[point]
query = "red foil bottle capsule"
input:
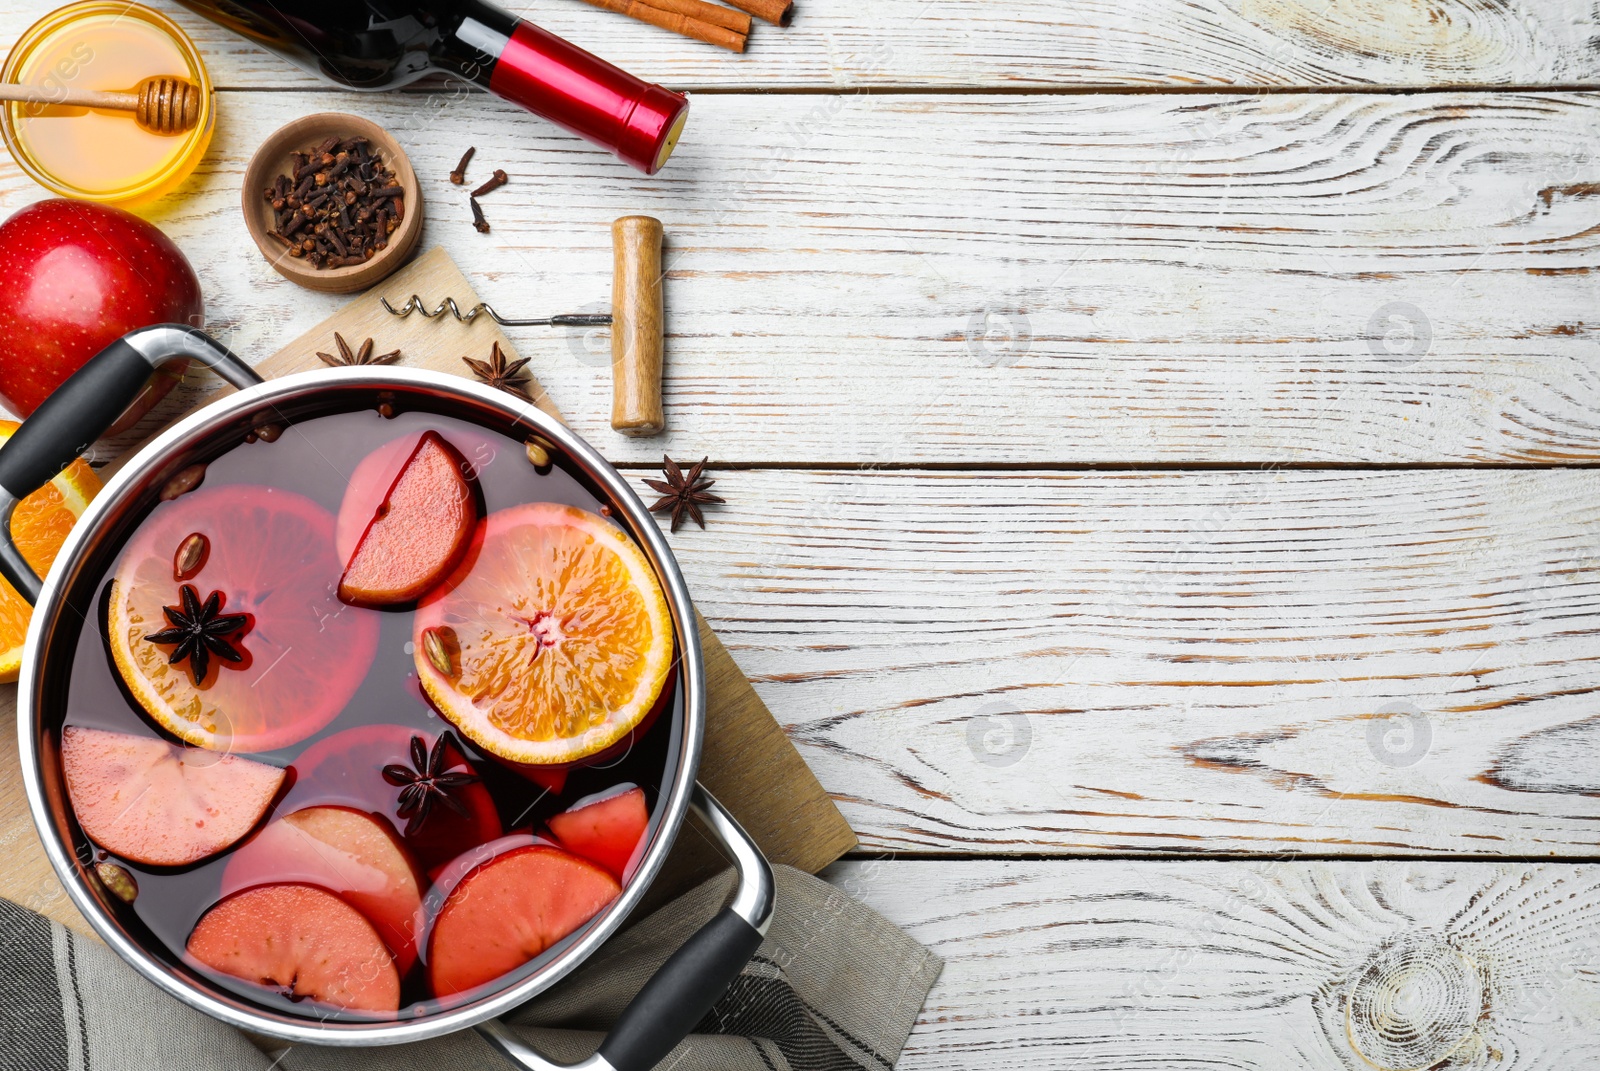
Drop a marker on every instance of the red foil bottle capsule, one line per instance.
(366, 45)
(580, 92)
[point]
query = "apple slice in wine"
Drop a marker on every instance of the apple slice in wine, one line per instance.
(417, 533)
(161, 804)
(301, 941)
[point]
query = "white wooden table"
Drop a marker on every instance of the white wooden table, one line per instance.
(1160, 442)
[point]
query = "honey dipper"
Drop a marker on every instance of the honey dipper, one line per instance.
(162, 104)
(636, 319)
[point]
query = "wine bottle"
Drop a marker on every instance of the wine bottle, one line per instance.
(382, 44)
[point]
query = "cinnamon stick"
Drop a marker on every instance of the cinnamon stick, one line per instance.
(777, 12)
(715, 14)
(668, 20)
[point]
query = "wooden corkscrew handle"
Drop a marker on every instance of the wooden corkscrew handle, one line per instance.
(637, 326)
(162, 105)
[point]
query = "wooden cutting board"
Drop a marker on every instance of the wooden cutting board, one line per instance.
(747, 763)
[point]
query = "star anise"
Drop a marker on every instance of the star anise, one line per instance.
(425, 783)
(364, 355)
(200, 631)
(498, 372)
(683, 493)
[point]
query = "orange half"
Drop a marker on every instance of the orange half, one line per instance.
(556, 634)
(39, 526)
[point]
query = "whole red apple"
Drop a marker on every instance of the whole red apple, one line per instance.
(76, 277)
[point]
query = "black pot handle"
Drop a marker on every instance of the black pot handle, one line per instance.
(694, 978)
(80, 410)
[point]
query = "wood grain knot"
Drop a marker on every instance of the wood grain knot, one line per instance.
(1456, 35)
(1415, 1002)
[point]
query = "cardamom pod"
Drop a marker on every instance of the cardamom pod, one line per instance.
(433, 646)
(183, 482)
(118, 880)
(192, 554)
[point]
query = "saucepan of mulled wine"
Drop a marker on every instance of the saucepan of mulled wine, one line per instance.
(349, 718)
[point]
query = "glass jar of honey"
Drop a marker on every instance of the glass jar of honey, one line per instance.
(102, 155)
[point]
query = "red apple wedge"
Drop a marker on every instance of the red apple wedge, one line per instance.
(504, 912)
(417, 534)
(605, 828)
(301, 941)
(368, 487)
(158, 803)
(357, 856)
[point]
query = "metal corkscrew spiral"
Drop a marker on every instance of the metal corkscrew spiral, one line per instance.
(482, 308)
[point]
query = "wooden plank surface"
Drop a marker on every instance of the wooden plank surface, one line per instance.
(843, 44)
(1345, 663)
(1248, 966)
(1021, 279)
(872, 275)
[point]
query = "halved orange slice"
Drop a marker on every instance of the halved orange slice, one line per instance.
(39, 526)
(270, 556)
(551, 641)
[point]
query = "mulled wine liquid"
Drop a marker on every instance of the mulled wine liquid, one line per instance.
(316, 458)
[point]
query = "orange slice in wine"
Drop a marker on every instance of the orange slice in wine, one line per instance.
(551, 641)
(270, 555)
(39, 526)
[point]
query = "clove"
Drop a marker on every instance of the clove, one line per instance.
(477, 217)
(496, 180)
(459, 175)
(339, 206)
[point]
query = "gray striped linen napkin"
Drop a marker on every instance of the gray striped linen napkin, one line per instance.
(835, 987)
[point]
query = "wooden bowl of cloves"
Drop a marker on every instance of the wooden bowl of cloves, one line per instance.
(332, 203)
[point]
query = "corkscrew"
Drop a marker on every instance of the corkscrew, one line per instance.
(636, 320)
(483, 308)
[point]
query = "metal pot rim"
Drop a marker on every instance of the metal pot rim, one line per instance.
(259, 403)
